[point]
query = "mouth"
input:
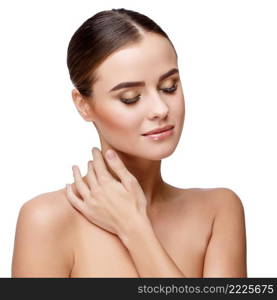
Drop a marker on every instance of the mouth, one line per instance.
(160, 135)
(159, 130)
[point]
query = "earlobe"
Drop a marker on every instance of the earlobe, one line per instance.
(81, 105)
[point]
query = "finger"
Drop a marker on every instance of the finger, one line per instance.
(91, 176)
(73, 199)
(100, 168)
(117, 165)
(80, 185)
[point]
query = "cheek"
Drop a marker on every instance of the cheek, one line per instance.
(116, 120)
(178, 108)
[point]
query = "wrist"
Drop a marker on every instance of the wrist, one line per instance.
(138, 225)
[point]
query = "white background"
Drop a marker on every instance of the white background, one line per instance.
(228, 65)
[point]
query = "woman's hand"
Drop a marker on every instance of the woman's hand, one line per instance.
(106, 202)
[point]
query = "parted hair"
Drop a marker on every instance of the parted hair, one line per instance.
(98, 37)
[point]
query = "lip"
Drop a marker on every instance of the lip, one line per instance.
(160, 136)
(159, 130)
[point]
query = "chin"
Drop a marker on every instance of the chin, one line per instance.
(156, 153)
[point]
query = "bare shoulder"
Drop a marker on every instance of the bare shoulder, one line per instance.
(225, 200)
(43, 240)
(226, 251)
(49, 209)
(216, 198)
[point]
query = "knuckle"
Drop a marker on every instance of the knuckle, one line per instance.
(121, 168)
(132, 181)
(103, 178)
(96, 190)
(78, 180)
(87, 194)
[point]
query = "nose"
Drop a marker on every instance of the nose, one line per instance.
(158, 107)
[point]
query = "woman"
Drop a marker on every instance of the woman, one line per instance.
(122, 219)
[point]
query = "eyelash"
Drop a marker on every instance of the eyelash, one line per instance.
(170, 90)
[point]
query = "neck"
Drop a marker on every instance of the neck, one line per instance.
(147, 173)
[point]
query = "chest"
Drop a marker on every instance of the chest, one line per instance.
(101, 254)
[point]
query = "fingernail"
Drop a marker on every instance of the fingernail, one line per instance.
(110, 154)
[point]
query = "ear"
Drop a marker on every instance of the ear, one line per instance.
(82, 105)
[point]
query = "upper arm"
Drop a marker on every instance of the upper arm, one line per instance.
(41, 246)
(226, 251)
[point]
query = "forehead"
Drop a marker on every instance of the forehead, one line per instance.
(144, 60)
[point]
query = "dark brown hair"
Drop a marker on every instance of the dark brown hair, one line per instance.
(100, 36)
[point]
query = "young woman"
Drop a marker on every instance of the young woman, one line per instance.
(122, 219)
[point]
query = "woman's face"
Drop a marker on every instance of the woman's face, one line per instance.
(123, 115)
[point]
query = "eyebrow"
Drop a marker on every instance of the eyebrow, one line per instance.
(142, 83)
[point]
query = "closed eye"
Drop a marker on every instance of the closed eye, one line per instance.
(170, 90)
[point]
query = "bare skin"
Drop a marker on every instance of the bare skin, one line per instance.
(202, 230)
(188, 232)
